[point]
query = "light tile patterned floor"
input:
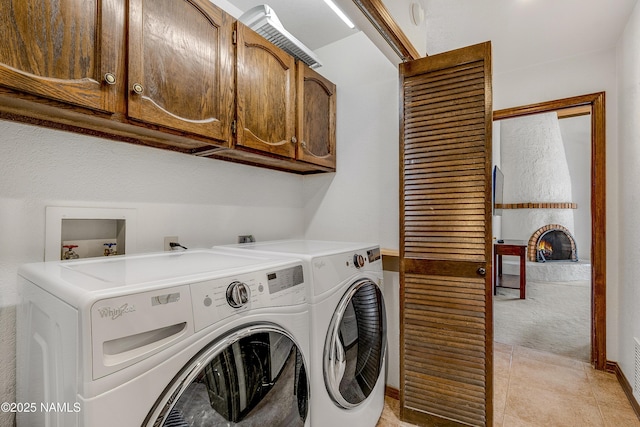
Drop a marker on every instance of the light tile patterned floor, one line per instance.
(537, 389)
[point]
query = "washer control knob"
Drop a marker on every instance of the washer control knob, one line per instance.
(358, 260)
(237, 294)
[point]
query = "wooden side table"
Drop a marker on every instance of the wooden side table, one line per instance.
(510, 247)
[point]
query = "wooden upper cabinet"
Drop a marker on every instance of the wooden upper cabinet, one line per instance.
(266, 95)
(63, 49)
(174, 74)
(316, 118)
(181, 66)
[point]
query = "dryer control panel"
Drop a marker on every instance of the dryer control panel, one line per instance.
(330, 270)
(214, 300)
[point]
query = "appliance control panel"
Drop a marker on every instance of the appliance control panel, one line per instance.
(362, 258)
(218, 299)
(332, 269)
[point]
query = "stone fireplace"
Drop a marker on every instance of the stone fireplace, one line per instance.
(552, 242)
(537, 182)
(538, 202)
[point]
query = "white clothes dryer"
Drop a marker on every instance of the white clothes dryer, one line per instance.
(193, 338)
(348, 327)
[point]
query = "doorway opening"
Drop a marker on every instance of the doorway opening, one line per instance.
(593, 104)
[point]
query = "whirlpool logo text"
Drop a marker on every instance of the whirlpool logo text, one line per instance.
(115, 312)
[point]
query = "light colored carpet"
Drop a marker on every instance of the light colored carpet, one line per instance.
(555, 317)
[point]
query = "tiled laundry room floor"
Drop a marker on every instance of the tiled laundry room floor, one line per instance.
(534, 388)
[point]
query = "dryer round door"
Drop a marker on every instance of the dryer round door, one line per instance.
(355, 345)
(255, 376)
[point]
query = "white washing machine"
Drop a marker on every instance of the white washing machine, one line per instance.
(348, 328)
(193, 338)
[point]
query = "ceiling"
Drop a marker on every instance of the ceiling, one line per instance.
(523, 32)
(526, 32)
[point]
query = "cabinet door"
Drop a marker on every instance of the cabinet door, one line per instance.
(316, 118)
(181, 66)
(266, 95)
(63, 49)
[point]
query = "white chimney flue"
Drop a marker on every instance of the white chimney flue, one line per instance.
(535, 169)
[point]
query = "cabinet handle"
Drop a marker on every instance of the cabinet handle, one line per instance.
(138, 88)
(110, 78)
(303, 144)
(294, 140)
(481, 271)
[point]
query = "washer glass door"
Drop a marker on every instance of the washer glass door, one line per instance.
(355, 345)
(253, 377)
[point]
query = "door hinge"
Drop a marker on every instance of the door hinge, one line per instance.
(234, 37)
(234, 127)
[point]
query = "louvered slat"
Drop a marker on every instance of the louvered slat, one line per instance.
(460, 80)
(445, 233)
(444, 334)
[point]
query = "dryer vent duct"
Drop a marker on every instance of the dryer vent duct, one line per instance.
(263, 20)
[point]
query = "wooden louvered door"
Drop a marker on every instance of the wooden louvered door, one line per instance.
(445, 239)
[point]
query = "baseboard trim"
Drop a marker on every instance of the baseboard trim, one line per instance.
(614, 368)
(392, 392)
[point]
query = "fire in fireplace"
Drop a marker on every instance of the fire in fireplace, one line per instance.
(545, 250)
(552, 243)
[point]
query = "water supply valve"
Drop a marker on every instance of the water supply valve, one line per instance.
(69, 253)
(110, 249)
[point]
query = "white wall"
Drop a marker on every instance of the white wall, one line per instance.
(576, 136)
(360, 201)
(629, 202)
(580, 75)
(203, 201)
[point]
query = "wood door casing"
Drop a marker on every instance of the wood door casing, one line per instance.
(382, 20)
(62, 49)
(266, 95)
(595, 105)
(181, 53)
(446, 349)
(316, 123)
